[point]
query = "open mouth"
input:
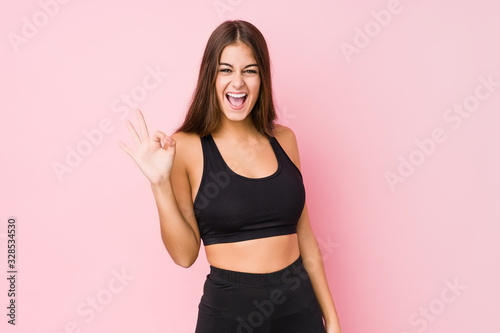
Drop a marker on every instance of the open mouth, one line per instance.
(236, 101)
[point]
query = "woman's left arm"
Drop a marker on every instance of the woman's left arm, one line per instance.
(309, 249)
(313, 263)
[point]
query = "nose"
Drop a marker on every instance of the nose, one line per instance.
(237, 81)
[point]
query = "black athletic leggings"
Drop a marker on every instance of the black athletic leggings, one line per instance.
(240, 302)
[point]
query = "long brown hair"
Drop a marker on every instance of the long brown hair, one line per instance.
(204, 112)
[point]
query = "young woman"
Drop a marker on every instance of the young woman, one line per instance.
(235, 184)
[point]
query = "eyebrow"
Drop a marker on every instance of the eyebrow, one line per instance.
(223, 63)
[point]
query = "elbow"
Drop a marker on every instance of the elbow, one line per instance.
(185, 265)
(184, 256)
(185, 259)
(185, 262)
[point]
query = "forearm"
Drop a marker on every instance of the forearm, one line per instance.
(313, 263)
(177, 235)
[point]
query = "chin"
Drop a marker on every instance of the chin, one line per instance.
(231, 115)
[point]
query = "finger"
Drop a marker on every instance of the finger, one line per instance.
(126, 149)
(142, 125)
(162, 138)
(133, 133)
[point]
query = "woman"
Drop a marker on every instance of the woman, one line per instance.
(235, 184)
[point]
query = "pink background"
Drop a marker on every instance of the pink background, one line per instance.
(391, 252)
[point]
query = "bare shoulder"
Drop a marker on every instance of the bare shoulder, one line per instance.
(187, 150)
(283, 131)
(185, 142)
(184, 136)
(288, 141)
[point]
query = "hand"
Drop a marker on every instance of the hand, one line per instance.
(154, 160)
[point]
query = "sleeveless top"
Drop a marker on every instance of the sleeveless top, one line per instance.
(233, 208)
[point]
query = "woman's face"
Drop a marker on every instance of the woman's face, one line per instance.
(238, 81)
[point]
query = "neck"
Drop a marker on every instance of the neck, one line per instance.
(237, 130)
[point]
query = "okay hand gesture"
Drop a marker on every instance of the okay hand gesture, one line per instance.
(155, 155)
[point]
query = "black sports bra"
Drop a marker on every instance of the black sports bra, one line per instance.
(232, 208)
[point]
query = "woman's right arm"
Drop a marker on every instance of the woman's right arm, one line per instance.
(179, 229)
(171, 189)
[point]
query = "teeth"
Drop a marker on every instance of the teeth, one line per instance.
(236, 95)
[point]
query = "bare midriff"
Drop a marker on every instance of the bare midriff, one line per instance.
(262, 255)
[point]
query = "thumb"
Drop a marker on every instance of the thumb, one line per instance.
(164, 139)
(160, 137)
(168, 141)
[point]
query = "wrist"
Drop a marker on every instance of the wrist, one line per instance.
(160, 184)
(332, 323)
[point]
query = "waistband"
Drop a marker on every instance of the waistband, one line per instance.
(287, 274)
